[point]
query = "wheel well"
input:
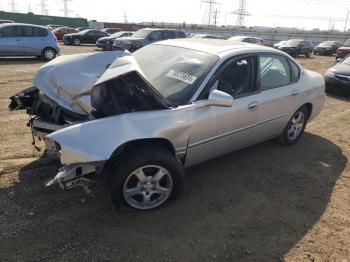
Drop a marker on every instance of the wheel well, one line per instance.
(48, 47)
(309, 108)
(134, 144)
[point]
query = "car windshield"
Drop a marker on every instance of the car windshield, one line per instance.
(294, 42)
(142, 33)
(173, 71)
(327, 44)
(346, 60)
(118, 34)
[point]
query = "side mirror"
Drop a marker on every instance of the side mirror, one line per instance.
(216, 98)
(220, 98)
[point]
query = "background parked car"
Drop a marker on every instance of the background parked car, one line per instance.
(296, 47)
(82, 28)
(27, 40)
(52, 27)
(343, 51)
(247, 39)
(280, 43)
(208, 36)
(146, 36)
(2, 21)
(106, 42)
(327, 48)
(61, 31)
(338, 76)
(88, 36)
(111, 30)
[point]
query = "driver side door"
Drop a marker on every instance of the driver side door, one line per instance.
(219, 130)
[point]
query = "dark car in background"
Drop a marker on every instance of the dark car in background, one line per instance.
(82, 28)
(111, 30)
(338, 76)
(88, 36)
(247, 39)
(280, 43)
(106, 43)
(52, 27)
(296, 47)
(327, 48)
(145, 37)
(343, 51)
(61, 31)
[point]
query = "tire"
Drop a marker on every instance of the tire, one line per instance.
(48, 54)
(308, 54)
(287, 137)
(132, 178)
(76, 42)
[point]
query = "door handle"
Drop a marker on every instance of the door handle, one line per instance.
(295, 92)
(253, 106)
(18, 40)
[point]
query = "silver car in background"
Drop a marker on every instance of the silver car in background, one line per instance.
(164, 108)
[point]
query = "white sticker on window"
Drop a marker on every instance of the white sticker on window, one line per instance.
(182, 76)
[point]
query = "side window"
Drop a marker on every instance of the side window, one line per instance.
(40, 32)
(11, 31)
(28, 31)
(274, 71)
(156, 36)
(168, 34)
(180, 34)
(237, 77)
(295, 71)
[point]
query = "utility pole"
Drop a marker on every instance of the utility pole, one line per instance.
(43, 6)
(125, 18)
(65, 8)
(241, 13)
(346, 21)
(30, 8)
(215, 17)
(210, 5)
(13, 6)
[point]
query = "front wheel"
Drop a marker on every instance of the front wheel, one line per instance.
(76, 42)
(295, 127)
(145, 180)
(308, 54)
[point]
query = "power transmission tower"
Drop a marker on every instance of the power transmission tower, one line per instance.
(65, 8)
(43, 6)
(241, 13)
(13, 6)
(209, 10)
(125, 18)
(30, 9)
(215, 17)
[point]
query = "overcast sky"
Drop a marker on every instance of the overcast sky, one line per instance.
(306, 14)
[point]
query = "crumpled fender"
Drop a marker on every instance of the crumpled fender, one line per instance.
(96, 140)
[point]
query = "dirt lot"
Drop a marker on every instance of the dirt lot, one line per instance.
(264, 203)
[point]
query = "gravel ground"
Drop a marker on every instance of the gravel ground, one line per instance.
(264, 203)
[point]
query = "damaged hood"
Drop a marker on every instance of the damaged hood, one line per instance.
(68, 80)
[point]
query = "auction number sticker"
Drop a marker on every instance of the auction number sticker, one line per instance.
(182, 76)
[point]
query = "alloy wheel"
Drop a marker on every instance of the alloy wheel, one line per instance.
(147, 187)
(296, 125)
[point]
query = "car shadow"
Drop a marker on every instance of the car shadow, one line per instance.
(251, 205)
(20, 60)
(343, 95)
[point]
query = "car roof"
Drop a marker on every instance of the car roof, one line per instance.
(22, 24)
(212, 46)
(158, 29)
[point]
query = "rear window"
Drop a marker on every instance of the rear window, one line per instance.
(30, 31)
(10, 31)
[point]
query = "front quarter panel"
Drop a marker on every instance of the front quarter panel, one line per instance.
(97, 140)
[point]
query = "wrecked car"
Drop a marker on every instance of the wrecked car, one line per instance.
(140, 119)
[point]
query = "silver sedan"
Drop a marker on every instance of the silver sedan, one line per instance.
(166, 107)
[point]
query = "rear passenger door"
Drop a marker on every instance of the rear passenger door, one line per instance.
(10, 41)
(279, 93)
(33, 40)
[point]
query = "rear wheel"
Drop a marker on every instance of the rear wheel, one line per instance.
(145, 179)
(308, 54)
(295, 127)
(48, 54)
